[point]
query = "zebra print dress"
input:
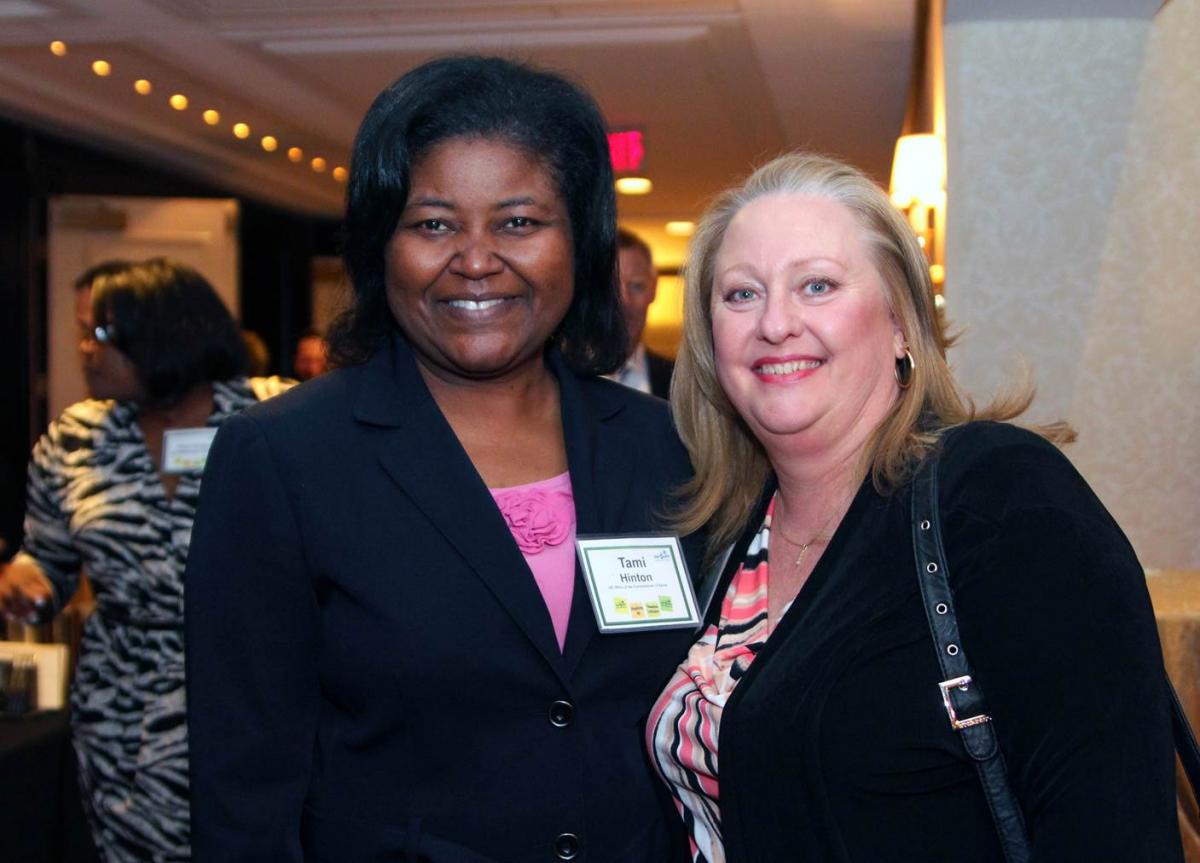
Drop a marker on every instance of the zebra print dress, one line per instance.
(96, 503)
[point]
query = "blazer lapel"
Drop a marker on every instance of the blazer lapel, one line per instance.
(601, 474)
(422, 455)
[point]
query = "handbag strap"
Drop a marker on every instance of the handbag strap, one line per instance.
(961, 695)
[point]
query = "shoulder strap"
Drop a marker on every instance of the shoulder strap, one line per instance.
(961, 695)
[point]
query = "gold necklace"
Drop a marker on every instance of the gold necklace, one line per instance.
(819, 536)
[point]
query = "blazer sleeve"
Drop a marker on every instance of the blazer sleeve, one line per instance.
(251, 628)
(1058, 627)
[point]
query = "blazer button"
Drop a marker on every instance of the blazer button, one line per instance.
(566, 846)
(562, 714)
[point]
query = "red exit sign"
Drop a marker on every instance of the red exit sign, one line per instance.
(627, 149)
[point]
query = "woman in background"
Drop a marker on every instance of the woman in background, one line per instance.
(807, 722)
(105, 495)
(391, 650)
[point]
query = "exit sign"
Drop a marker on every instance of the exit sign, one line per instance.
(626, 150)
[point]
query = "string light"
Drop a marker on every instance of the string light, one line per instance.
(212, 117)
(340, 174)
(269, 143)
(58, 49)
(142, 86)
(241, 130)
(179, 102)
(318, 164)
(295, 154)
(102, 68)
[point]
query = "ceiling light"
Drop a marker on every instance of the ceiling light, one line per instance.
(680, 229)
(270, 143)
(634, 185)
(179, 102)
(318, 164)
(142, 86)
(212, 117)
(58, 49)
(241, 130)
(295, 154)
(340, 174)
(102, 68)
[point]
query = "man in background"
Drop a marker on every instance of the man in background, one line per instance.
(643, 369)
(311, 357)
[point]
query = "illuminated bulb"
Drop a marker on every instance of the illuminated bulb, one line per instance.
(939, 302)
(318, 164)
(142, 86)
(937, 274)
(58, 49)
(212, 117)
(102, 68)
(179, 102)
(680, 229)
(340, 174)
(241, 130)
(921, 241)
(269, 143)
(295, 154)
(634, 186)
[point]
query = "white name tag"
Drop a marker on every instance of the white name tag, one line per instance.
(186, 450)
(637, 582)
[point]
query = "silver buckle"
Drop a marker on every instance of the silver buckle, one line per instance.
(956, 723)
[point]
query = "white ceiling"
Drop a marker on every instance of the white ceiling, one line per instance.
(717, 85)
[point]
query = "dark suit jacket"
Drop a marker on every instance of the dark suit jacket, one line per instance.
(659, 370)
(372, 670)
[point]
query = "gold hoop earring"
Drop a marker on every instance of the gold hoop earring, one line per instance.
(904, 369)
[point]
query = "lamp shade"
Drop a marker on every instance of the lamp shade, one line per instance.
(919, 170)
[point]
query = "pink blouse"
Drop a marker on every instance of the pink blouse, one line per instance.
(541, 517)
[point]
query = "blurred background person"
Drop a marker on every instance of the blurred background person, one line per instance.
(643, 369)
(84, 321)
(811, 385)
(391, 648)
(113, 489)
(311, 357)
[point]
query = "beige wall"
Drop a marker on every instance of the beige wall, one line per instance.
(1073, 241)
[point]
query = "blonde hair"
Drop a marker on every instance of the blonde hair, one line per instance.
(731, 466)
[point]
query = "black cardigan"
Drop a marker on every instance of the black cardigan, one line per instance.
(835, 745)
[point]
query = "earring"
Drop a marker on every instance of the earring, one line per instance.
(904, 369)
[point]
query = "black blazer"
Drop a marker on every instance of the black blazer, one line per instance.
(659, 371)
(372, 671)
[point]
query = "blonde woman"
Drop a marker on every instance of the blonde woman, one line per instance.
(807, 721)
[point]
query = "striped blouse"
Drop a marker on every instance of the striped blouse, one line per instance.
(682, 730)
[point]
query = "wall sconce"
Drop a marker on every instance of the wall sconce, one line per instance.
(918, 187)
(919, 171)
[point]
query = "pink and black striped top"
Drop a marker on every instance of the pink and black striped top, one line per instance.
(683, 727)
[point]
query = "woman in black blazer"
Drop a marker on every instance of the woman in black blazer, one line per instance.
(382, 665)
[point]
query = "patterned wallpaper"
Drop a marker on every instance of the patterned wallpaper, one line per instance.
(1073, 243)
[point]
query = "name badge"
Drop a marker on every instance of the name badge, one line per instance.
(637, 582)
(186, 450)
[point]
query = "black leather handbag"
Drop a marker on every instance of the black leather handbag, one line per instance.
(961, 695)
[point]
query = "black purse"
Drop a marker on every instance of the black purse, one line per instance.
(961, 695)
